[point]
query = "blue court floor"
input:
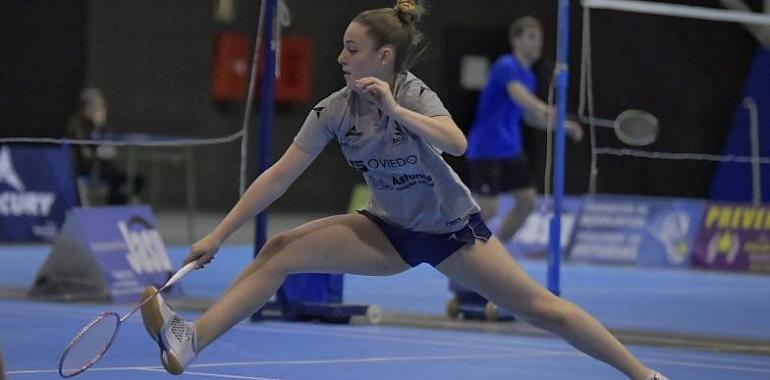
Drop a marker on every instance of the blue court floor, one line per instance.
(676, 302)
(33, 335)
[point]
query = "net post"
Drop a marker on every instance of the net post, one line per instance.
(562, 77)
(266, 113)
(756, 174)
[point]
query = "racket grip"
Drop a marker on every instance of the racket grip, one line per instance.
(180, 273)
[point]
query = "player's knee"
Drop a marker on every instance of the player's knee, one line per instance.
(547, 313)
(270, 253)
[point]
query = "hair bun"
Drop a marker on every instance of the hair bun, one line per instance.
(408, 10)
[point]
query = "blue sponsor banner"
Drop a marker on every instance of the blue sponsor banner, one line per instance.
(531, 240)
(37, 187)
(127, 246)
(637, 230)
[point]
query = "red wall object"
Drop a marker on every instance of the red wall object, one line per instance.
(295, 82)
(231, 68)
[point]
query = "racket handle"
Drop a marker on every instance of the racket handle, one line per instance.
(179, 274)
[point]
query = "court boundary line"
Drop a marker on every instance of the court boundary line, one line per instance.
(521, 346)
(380, 359)
(224, 376)
(329, 330)
(456, 343)
(705, 366)
(572, 352)
(484, 338)
(507, 352)
(376, 359)
(706, 343)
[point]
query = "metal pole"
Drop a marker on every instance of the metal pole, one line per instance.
(562, 77)
(250, 99)
(756, 174)
(266, 110)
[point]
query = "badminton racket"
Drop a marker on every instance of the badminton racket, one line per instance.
(96, 337)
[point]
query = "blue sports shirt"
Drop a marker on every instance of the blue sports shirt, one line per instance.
(496, 130)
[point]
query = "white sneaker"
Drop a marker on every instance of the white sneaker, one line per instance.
(155, 312)
(656, 376)
(175, 337)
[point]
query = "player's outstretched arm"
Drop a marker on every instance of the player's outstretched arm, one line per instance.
(536, 112)
(261, 193)
(535, 109)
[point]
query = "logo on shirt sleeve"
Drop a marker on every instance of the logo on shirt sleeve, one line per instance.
(318, 111)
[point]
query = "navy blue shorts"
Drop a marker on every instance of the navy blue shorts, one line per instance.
(416, 248)
(494, 176)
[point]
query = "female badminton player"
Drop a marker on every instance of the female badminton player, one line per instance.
(393, 129)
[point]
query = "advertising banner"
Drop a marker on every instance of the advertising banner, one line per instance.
(37, 187)
(112, 252)
(734, 236)
(637, 230)
(531, 240)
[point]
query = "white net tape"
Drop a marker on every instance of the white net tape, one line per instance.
(682, 156)
(674, 10)
(150, 141)
(133, 140)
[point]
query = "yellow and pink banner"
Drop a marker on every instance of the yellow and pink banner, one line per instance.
(734, 236)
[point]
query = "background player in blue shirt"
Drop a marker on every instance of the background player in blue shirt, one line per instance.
(393, 129)
(496, 159)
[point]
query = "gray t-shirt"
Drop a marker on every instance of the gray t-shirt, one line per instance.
(411, 185)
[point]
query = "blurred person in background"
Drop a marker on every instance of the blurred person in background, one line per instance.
(97, 163)
(497, 162)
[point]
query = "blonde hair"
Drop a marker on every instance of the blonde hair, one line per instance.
(396, 26)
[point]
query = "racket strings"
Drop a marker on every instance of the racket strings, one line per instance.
(89, 345)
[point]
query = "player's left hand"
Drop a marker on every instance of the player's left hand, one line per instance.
(379, 92)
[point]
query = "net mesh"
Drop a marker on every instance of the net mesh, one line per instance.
(666, 73)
